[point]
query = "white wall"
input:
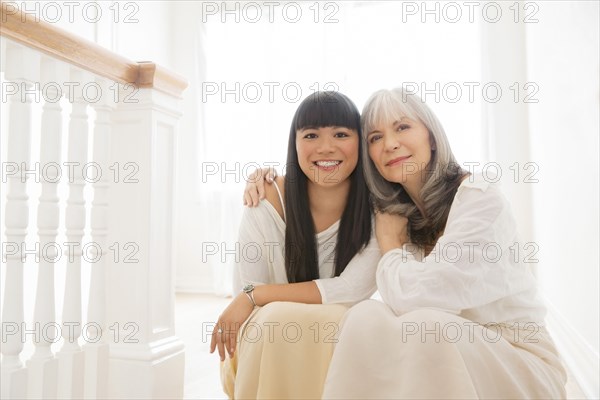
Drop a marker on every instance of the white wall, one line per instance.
(563, 59)
(192, 274)
(556, 130)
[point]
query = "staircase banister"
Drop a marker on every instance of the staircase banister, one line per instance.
(65, 46)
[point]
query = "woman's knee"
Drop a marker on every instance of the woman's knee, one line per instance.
(366, 316)
(435, 327)
(276, 311)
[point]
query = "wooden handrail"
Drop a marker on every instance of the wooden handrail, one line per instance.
(85, 54)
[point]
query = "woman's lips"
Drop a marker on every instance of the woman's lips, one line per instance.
(327, 165)
(397, 161)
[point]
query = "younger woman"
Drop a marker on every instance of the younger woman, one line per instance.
(304, 254)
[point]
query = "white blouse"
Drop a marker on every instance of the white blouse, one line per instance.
(262, 255)
(476, 269)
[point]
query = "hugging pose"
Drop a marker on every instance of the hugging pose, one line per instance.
(366, 205)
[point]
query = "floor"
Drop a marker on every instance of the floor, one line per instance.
(193, 315)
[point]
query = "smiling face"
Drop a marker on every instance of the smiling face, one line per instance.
(327, 155)
(401, 151)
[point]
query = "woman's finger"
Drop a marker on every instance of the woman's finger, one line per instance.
(271, 174)
(213, 340)
(260, 187)
(220, 345)
(231, 342)
(253, 193)
(247, 198)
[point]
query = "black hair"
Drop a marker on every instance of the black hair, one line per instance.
(323, 109)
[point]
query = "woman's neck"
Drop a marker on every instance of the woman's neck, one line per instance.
(327, 203)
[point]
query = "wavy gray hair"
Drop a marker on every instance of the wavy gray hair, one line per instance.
(443, 173)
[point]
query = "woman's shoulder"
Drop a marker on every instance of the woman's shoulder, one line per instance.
(480, 182)
(480, 190)
(272, 195)
(264, 217)
(481, 210)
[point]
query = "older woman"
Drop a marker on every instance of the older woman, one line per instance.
(460, 317)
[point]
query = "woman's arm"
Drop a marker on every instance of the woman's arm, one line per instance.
(302, 292)
(470, 266)
(357, 281)
(240, 308)
(255, 270)
(258, 231)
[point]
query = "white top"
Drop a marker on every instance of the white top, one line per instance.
(262, 255)
(476, 269)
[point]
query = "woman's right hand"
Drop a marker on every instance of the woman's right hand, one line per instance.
(225, 332)
(255, 185)
(391, 231)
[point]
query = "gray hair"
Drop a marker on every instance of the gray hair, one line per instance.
(443, 174)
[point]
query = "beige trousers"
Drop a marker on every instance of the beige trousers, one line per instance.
(283, 352)
(427, 354)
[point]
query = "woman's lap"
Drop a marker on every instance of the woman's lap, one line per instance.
(433, 354)
(283, 351)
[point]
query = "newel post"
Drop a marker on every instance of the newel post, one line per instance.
(146, 358)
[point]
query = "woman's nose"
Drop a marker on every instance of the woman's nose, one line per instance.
(326, 145)
(391, 141)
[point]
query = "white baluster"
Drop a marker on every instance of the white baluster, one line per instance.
(71, 357)
(96, 367)
(43, 366)
(21, 69)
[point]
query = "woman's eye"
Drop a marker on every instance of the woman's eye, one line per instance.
(374, 138)
(402, 127)
(341, 134)
(310, 136)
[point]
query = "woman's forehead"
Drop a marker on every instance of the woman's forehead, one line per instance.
(383, 119)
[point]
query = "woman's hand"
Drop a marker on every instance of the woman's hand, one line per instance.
(255, 185)
(391, 231)
(225, 332)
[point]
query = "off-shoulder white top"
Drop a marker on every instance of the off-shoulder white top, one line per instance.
(261, 258)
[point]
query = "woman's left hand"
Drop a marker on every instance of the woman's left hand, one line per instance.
(225, 332)
(391, 231)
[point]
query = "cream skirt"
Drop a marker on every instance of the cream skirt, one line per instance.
(427, 354)
(283, 352)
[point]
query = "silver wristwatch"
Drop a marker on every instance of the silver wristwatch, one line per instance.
(249, 289)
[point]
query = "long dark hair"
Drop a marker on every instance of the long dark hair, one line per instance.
(323, 109)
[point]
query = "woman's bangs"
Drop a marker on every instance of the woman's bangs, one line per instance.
(327, 109)
(383, 109)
